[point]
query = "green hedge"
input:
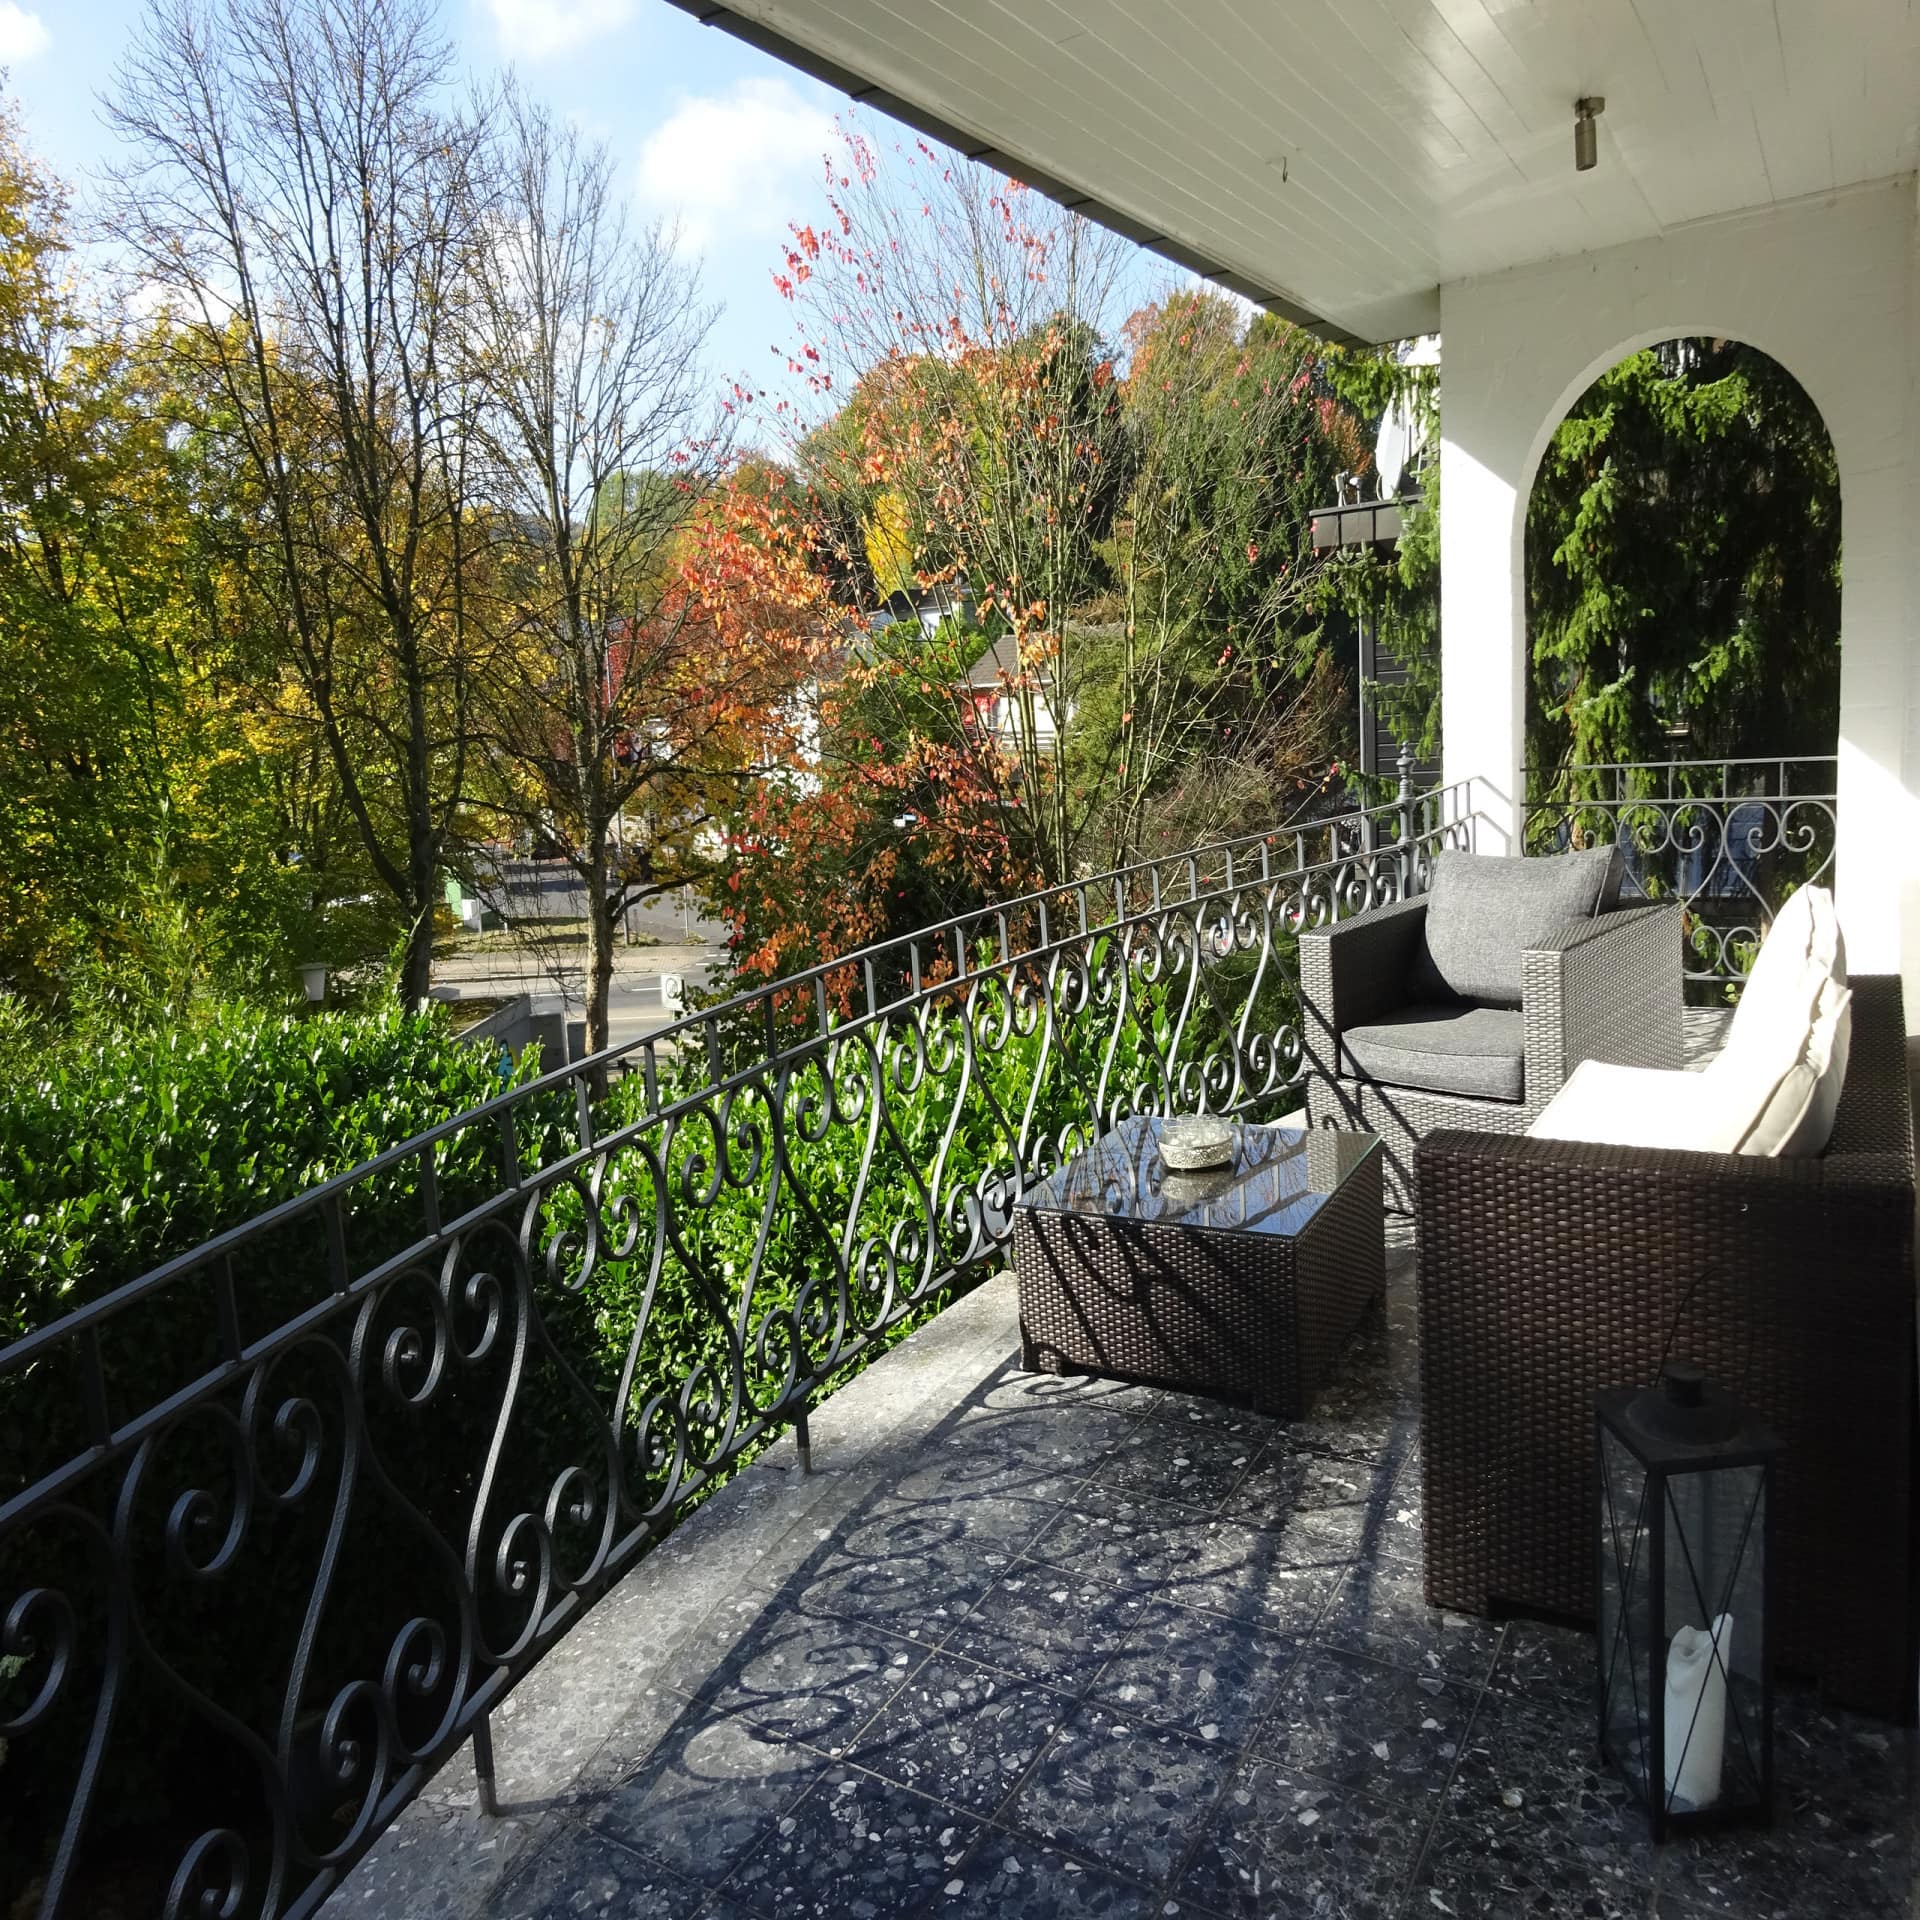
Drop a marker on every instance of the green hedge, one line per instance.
(120, 1151)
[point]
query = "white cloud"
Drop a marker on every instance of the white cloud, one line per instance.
(736, 165)
(539, 29)
(22, 34)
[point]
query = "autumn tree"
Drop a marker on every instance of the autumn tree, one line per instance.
(306, 195)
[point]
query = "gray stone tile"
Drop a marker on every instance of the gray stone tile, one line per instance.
(1119, 1535)
(963, 1733)
(1193, 1466)
(1283, 1847)
(1557, 1666)
(1208, 1675)
(434, 1863)
(582, 1873)
(1843, 1838)
(917, 1591)
(1464, 1874)
(707, 1793)
(1281, 1480)
(1050, 1626)
(856, 1845)
(1197, 1410)
(1011, 1874)
(1015, 1391)
(1380, 1609)
(1531, 1776)
(1337, 1536)
(1356, 1723)
(807, 1676)
(1118, 1789)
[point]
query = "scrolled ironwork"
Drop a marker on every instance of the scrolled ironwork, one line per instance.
(261, 1585)
(1728, 839)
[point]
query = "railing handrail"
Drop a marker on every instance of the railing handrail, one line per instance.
(709, 1021)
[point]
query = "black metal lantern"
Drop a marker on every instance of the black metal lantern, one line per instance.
(1686, 1677)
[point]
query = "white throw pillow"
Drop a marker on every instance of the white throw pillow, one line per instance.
(1803, 947)
(1797, 1120)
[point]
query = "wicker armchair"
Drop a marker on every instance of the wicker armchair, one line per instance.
(1603, 988)
(1549, 1270)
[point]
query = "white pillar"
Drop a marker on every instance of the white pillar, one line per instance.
(1483, 615)
(1831, 289)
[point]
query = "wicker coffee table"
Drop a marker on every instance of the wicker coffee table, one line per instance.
(1243, 1284)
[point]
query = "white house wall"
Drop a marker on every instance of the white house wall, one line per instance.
(1830, 287)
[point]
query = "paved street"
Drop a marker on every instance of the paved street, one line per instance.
(677, 939)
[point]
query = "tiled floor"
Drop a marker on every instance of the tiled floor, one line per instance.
(1095, 1650)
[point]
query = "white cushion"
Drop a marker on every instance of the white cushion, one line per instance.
(1797, 1120)
(1643, 1107)
(1802, 948)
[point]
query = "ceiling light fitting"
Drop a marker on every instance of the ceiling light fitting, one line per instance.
(1586, 135)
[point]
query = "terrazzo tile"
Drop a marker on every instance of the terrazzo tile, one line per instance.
(1281, 1480)
(1050, 1626)
(1205, 1674)
(1193, 1466)
(1246, 1572)
(1015, 1390)
(1556, 1665)
(1369, 1434)
(1197, 1410)
(434, 1863)
(1011, 1874)
(1356, 1723)
(705, 1795)
(855, 1845)
(963, 1733)
(1531, 1775)
(582, 1873)
(917, 1594)
(1463, 1874)
(1120, 1790)
(1329, 1536)
(1122, 1535)
(1843, 1822)
(807, 1676)
(1380, 1609)
(1283, 1847)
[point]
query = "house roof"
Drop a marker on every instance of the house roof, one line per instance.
(1339, 160)
(1000, 662)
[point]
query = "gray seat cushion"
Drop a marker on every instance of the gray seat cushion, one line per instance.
(1476, 1051)
(1484, 911)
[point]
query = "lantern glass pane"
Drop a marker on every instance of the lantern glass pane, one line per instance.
(1713, 1696)
(1627, 1628)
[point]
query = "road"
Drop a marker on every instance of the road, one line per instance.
(689, 945)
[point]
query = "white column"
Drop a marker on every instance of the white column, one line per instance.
(1483, 731)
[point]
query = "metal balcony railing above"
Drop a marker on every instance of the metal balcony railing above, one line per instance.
(1728, 839)
(283, 1521)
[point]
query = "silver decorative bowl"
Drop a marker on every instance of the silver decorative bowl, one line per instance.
(1193, 1142)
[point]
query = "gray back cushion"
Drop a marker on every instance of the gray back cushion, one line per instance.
(1484, 911)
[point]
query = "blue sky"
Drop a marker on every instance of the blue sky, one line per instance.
(705, 131)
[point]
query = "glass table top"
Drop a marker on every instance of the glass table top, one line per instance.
(1279, 1178)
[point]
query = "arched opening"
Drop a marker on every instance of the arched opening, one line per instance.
(1683, 636)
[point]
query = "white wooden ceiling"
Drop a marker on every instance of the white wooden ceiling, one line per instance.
(1340, 159)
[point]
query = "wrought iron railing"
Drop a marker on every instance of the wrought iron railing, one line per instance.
(293, 1512)
(1729, 839)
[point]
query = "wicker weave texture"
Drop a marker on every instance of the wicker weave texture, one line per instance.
(1550, 1270)
(1252, 1318)
(1601, 989)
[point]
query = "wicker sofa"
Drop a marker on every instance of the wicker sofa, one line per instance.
(1605, 987)
(1549, 1270)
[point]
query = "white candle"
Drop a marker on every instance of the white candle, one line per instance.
(1696, 1710)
